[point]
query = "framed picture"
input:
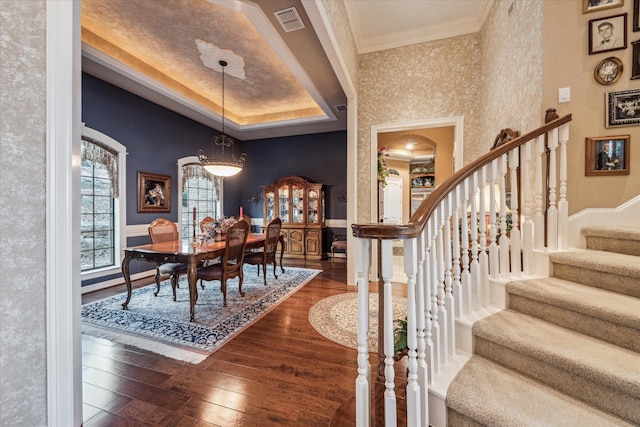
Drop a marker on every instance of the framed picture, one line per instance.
(635, 67)
(623, 108)
(636, 15)
(608, 71)
(607, 34)
(607, 155)
(154, 193)
(597, 5)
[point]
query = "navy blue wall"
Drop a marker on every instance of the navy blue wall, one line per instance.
(156, 137)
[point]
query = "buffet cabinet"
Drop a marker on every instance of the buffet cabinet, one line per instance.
(300, 206)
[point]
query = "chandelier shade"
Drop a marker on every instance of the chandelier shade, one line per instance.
(222, 166)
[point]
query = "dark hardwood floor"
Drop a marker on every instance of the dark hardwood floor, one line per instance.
(277, 372)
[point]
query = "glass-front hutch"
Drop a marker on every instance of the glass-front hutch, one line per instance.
(300, 206)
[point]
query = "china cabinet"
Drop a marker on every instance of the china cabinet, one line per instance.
(300, 206)
(422, 175)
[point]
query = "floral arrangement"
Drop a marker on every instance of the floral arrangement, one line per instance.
(383, 170)
(224, 223)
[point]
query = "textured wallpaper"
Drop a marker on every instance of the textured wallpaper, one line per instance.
(416, 83)
(337, 15)
(23, 380)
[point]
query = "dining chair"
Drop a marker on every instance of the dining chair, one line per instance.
(206, 223)
(339, 243)
(232, 260)
(268, 254)
(162, 230)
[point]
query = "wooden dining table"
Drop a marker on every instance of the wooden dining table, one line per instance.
(184, 251)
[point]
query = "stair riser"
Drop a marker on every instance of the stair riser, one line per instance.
(598, 328)
(621, 246)
(593, 393)
(622, 284)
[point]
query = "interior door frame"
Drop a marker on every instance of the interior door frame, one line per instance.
(458, 151)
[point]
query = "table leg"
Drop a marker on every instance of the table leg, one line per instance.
(193, 289)
(281, 252)
(127, 279)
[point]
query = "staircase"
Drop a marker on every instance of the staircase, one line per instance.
(566, 351)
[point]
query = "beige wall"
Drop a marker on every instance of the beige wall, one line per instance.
(567, 63)
(23, 363)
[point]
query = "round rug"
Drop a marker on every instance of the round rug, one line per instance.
(335, 318)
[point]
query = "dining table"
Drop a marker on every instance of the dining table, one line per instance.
(184, 251)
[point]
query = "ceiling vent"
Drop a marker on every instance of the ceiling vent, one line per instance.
(289, 19)
(341, 108)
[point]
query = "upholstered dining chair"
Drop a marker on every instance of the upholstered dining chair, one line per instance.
(206, 223)
(162, 230)
(268, 254)
(339, 243)
(232, 260)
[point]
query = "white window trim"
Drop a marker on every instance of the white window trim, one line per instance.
(120, 212)
(185, 161)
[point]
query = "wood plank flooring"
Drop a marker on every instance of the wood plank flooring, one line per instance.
(278, 372)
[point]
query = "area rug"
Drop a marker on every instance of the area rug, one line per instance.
(162, 325)
(335, 318)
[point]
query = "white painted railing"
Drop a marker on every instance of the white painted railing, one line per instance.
(472, 233)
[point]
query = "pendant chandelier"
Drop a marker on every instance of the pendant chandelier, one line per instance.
(221, 166)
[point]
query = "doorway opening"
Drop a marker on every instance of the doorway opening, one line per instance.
(422, 155)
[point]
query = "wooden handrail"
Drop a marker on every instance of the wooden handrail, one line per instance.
(419, 219)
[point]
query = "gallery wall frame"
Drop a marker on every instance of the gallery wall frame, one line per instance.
(635, 66)
(622, 108)
(636, 15)
(608, 71)
(608, 34)
(589, 6)
(154, 193)
(607, 155)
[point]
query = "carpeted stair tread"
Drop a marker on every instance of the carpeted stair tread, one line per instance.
(608, 262)
(601, 362)
(600, 303)
(507, 398)
(613, 232)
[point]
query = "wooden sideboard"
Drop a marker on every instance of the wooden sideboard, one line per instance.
(300, 206)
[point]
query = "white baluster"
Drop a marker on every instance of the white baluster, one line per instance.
(538, 219)
(503, 246)
(442, 309)
(482, 285)
(412, 390)
(563, 205)
(552, 211)
(457, 285)
(386, 249)
(527, 223)
(494, 260)
(363, 387)
(434, 335)
(465, 296)
(448, 276)
(475, 265)
(514, 164)
(423, 369)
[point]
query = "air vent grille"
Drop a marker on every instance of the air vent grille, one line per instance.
(289, 19)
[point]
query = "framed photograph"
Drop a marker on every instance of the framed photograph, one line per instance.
(607, 155)
(154, 193)
(608, 71)
(635, 67)
(607, 34)
(636, 15)
(623, 108)
(597, 5)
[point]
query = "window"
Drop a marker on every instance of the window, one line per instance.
(101, 201)
(201, 190)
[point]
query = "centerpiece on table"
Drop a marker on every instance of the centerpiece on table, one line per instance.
(217, 230)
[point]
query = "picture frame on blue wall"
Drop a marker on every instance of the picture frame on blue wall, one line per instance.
(623, 108)
(589, 6)
(608, 33)
(154, 193)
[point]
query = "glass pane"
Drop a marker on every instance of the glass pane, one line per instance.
(103, 222)
(270, 203)
(86, 222)
(102, 187)
(86, 204)
(103, 258)
(283, 203)
(313, 206)
(86, 185)
(86, 260)
(103, 239)
(103, 205)
(86, 241)
(297, 204)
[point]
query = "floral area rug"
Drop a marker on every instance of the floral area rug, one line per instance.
(335, 318)
(162, 325)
